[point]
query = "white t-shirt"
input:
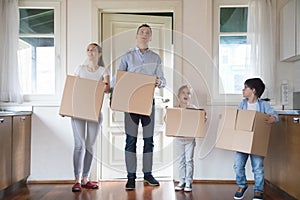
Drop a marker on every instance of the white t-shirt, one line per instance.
(98, 75)
(251, 106)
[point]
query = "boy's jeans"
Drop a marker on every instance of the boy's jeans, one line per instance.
(257, 163)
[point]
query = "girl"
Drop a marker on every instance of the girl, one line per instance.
(85, 132)
(185, 146)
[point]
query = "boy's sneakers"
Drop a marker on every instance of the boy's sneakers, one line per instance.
(130, 185)
(151, 180)
(258, 195)
(180, 186)
(240, 193)
(188, 188)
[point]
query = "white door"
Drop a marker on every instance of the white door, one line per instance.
(118, 36)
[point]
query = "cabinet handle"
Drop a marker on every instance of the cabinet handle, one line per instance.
(1, 120)
(22, 118)
(296, 120)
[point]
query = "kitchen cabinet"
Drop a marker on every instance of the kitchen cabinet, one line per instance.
(21, 152)
(5, 151)
(290, 31)
(283, 160)
(15, 149)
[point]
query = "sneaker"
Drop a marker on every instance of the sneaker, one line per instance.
(258, 195)
(180, 186)
(151, 180)
(240, 193)
(90, 185)
(76, 187)
(188, 188)
(130, 185)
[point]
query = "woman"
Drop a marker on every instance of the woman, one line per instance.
(85, 132)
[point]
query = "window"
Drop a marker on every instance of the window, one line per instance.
(231, 46)
(39, 49)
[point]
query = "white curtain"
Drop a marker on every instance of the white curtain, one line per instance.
(10, 90)
(261, 39)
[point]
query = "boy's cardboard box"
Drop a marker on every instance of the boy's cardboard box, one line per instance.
(82, 98)
(185, 122)
(244, 131)
(133, 93)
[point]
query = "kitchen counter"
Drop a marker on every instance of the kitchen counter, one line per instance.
(15, 111)
(283, 160)
(288, 112)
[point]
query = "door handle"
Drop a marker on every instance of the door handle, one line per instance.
(165, 100)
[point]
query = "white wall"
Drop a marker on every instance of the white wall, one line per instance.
(52, 141)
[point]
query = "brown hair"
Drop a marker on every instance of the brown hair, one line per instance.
(144, 25)
(100, 59)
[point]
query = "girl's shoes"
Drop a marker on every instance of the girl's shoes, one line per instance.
(90, 185)
(188, 188)
(180, 186)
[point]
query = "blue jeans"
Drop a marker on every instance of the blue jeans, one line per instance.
(257, 163)
(131, 128)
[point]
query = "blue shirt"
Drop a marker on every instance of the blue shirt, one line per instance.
(148, 63)
(262, 106)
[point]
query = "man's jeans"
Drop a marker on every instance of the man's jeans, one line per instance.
(131, 129)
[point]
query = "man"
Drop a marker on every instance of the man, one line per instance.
(144, 61)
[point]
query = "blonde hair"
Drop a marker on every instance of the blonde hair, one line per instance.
(183, 87)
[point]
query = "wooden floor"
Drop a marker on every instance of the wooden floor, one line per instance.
(116, 191)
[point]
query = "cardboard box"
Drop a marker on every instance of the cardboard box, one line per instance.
(244, 131)
(133, 93)
(82, 98)
(185, 122)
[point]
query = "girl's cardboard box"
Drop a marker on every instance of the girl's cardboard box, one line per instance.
(185, 122)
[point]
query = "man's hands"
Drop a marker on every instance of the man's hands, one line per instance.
(157, 82)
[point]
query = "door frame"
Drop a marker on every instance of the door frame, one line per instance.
(144, 6)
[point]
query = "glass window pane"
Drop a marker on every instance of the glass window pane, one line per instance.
(233, 59)
(37, 65)
(36, 21)
(233, 19)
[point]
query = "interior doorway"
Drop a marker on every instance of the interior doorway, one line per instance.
(118, 36)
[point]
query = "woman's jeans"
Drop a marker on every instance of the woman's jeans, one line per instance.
(85, 135)
(131, 129)
(257, 163)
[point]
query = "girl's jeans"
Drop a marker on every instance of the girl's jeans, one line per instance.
(257, 163)
(185, 151)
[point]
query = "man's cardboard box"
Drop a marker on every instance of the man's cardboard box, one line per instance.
(185, 122)
(82, 98)
(244, 131)
(133, 93)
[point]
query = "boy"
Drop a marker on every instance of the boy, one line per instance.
(252, 92)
